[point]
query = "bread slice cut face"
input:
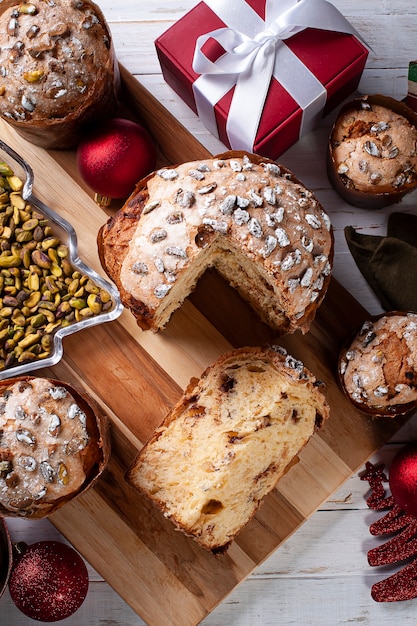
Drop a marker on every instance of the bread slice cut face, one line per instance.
(228, 441)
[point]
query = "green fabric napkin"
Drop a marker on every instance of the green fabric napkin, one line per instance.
(389, 264)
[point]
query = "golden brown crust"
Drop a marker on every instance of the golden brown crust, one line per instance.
(234, 433)
(115, 237)
(113, 243)
(85, 453)
(59, 70)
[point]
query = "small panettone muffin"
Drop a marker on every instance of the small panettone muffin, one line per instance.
(54, 445)
(242, 214)
(228, 441)
(58, 70)
(372, 155)
(378, 368)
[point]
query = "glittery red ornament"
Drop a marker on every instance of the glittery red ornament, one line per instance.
(401, 528)
(403, 478)
(113, 158)
(49, 581)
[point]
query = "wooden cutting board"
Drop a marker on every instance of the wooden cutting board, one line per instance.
(136, 377)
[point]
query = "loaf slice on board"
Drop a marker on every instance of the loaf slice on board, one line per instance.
(228, 441)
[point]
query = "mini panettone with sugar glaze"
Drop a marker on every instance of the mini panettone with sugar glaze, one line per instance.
(372, 151)
(58, 70)
(378, 365)
(54, 445)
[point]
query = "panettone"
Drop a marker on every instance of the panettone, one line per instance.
(372, 156)
(58, 70)
(228, 441)
(242, 214)
(378, 367)
(54, 445)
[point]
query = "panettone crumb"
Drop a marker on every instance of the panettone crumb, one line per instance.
(227, 442)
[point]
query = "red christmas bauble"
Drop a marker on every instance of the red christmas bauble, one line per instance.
(49, 581)
(113, 158)
(403, 478)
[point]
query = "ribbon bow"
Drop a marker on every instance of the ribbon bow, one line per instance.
(255, 52)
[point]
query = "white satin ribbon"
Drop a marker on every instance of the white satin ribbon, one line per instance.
(256, 52)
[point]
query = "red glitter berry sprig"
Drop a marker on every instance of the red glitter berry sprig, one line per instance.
(400, 519)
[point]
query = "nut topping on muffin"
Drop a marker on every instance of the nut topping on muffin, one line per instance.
(378, 369)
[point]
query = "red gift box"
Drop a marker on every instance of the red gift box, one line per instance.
(336, 60)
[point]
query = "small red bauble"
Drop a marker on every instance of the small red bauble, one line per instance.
(403, 478)
(113, 158)
(49, 581)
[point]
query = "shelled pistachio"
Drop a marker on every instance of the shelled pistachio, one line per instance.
(40, 290)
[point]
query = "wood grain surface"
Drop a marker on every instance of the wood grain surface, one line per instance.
(136, 376)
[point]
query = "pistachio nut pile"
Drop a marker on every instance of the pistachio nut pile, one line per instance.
(40, 290)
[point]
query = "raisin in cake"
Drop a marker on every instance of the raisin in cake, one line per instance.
(54, 444)
(372, 158)
(246, 216)
(228, 441)
(58, 70)
(378, 368)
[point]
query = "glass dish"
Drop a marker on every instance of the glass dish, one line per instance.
(67, 235)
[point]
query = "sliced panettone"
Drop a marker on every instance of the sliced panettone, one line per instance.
(242, 214)
(228, 441)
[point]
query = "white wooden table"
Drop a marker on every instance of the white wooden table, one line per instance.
(320, 576)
